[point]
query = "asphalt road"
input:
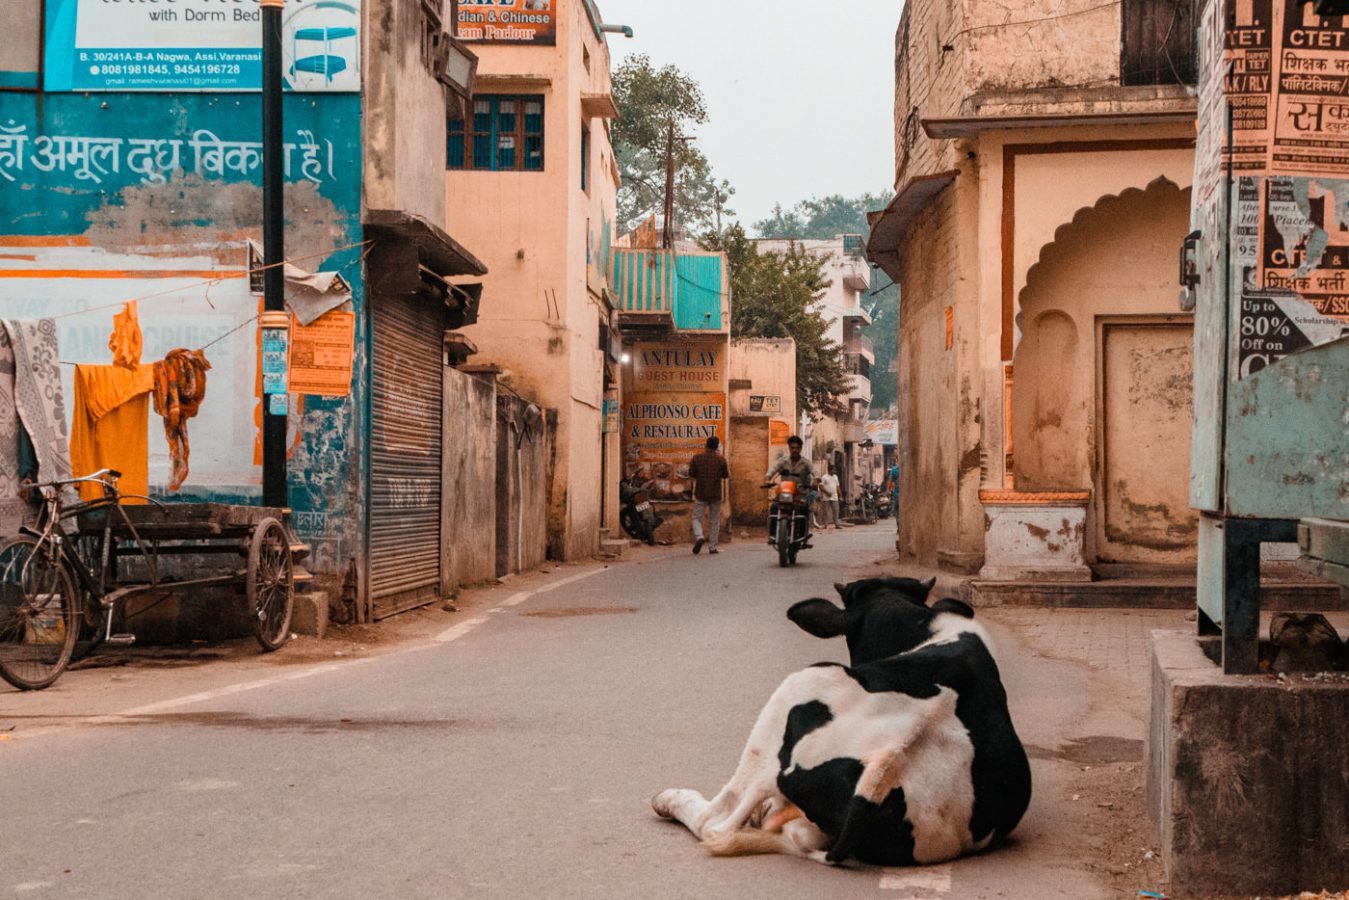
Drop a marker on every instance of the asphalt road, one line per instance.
(510, 751)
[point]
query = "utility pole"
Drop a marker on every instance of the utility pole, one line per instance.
(668, 236)
(274, 492)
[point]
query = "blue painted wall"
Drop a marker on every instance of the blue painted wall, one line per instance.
(87, 223)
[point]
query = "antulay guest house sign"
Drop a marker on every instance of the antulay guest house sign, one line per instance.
(675, 401)
(198, 45)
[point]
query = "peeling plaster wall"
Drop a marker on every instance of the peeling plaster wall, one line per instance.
(160, 229)
(543, 238)
(769, 364)
(1057, 439)
(936, 411)
(404, 113)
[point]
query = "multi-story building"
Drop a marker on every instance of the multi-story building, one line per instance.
(532, 181)
(147, 170)
(837, 436)
(1043, 158)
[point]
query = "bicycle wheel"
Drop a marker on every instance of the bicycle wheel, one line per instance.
(39, 615)
(270, 583)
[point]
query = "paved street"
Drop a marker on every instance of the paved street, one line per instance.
(510, 749)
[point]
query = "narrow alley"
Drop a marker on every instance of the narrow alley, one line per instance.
(510, 749)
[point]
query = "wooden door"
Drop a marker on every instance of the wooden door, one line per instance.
(1144, 403)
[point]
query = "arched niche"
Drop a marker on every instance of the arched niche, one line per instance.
(1115, 258)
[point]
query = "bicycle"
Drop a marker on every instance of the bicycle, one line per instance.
(56, 584)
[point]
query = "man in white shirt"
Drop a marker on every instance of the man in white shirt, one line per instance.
(829, 494)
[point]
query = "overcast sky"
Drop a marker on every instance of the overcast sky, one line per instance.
(799, 92)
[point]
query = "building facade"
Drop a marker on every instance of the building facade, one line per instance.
(531, 179)
(1041, 196)
(838, 437)
(147, 167)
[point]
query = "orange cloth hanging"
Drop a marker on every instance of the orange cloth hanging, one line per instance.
(125, 342)
(111, 426)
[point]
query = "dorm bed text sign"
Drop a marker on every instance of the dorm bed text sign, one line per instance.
(198, 45)
(508, 21)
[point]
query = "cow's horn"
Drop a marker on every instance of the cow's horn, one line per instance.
(839, 586)
(930, 583)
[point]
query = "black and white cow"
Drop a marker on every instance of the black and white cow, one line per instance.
(906, 756)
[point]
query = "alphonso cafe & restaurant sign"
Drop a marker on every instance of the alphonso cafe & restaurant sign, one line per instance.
(676, 400)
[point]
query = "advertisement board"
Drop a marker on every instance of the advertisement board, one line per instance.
(882, 431)
(198, 45)
(508, 21)
(676, 400)
(662, 434)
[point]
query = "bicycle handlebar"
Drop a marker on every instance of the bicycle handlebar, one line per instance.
(98, 477)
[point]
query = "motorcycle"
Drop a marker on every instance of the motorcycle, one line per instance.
(637, 516)
(883, 503)
(788, 522)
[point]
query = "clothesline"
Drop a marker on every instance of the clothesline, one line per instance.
(207, 281)
(242, 324)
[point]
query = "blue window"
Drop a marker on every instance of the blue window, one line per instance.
(504, 133)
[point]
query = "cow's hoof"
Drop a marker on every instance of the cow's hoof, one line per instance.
(662, 803)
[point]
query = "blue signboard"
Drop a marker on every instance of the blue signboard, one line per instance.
(198, 45)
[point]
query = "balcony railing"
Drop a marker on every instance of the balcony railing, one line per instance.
(661, 288)
(857, 364)
(860, 343)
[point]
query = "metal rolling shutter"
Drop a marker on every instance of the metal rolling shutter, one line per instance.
(405, 456)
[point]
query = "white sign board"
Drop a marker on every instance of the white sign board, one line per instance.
(198, 45)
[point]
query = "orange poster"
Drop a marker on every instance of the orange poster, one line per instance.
(508, 21)
(321, 355)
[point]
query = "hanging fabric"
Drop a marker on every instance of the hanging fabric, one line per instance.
(179, 388)
(110, 425)
(126, 341)
(33, 392)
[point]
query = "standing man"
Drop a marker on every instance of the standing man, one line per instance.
(829, 494)
(708, 470)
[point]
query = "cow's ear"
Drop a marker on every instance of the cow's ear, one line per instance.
(818, 617)
(928, 585)
(840, 587)
(951, 605)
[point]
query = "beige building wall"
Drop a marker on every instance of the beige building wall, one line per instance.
(1004, 133)
(763, 367)
(545, 298)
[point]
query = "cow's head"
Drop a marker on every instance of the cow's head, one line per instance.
(879, 617)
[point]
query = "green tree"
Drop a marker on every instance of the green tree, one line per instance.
(883, 305)
(821, 218)
(775, 296)
(649, 100)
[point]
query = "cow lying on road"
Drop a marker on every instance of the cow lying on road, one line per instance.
(906, 756)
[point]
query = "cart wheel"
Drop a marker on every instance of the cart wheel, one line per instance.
(270, 583)
(39, 615)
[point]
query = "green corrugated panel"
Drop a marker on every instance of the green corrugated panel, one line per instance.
(698, 302)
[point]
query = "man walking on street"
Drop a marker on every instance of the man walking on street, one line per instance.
(829, 494)
(708, 470)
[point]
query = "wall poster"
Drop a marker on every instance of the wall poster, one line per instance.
(676, 400)
(507, 21)
(198, 45)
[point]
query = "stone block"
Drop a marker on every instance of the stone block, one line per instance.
(1034, 537)
(1247, 776)
(309, 615)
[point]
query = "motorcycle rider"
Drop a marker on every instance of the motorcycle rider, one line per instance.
(793, 467)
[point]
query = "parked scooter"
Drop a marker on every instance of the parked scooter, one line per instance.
(637, 516)
(788, 521)
(882, 502)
